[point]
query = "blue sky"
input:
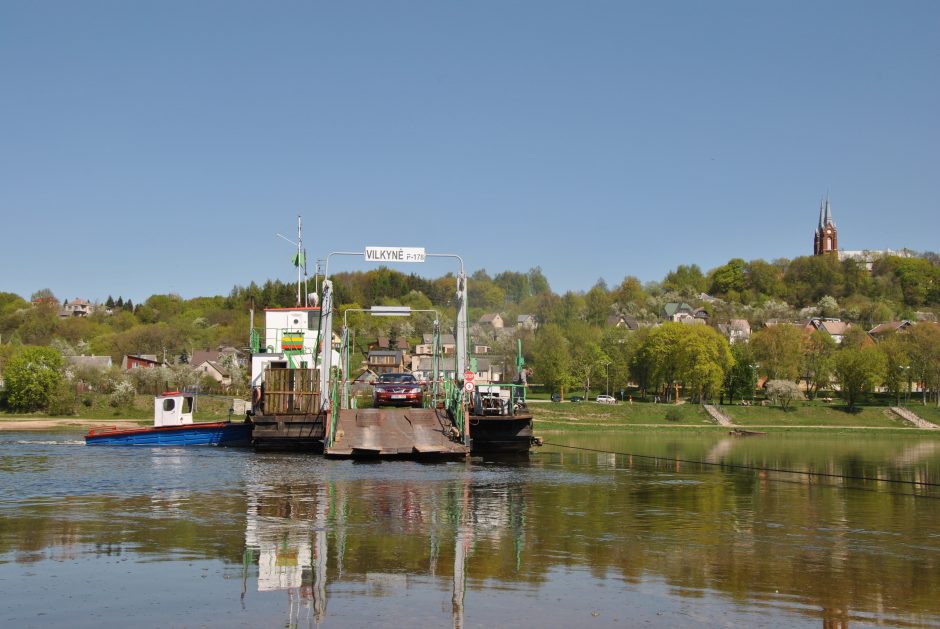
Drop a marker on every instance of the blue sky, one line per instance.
(158, 147)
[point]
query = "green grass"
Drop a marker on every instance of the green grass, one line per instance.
(97, 407)
(930, 412)
(814, 414)
(803, 416)
(620, 414)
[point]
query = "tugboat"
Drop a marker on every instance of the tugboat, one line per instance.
(173, 426)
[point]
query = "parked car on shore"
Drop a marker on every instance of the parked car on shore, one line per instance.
(606, 399)
(556, 397)
(576, 398)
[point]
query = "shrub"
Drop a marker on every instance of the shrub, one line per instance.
(62, 400)
(783, 392)
(673, 415)
(123, 395)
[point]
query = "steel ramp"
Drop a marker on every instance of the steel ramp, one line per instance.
(395, 432)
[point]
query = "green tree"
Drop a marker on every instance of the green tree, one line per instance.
(587, 359)
(857, 371)
(655, 365)
(763, 278)
(552, 359)
(783, 392)
(777, 351)
(817, 351)
(706, 358)
(741, 379)
(598, 303)
(897, 365)
(828, 306)
(728, 279)
(31, 377)
(923, 342)
(687, 280)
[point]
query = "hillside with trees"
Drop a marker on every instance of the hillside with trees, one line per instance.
(575, 347)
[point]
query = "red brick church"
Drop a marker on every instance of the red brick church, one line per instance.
(827, 236)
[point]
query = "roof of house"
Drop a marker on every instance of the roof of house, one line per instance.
(524, 317)
(97, 362)
(425, 364)
(740, 324)
(217, 367)
(487, 318)
(385, 352)
(890, 326)
(151, 357)
(446, 339)
(201, 356)
(673, 307)
(835, 328)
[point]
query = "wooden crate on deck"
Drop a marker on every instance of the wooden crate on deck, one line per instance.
(291, 391)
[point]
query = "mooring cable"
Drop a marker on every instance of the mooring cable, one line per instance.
(753, 468)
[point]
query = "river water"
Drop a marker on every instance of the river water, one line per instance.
(599, 535)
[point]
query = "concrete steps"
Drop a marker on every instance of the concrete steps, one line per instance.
(914, 418)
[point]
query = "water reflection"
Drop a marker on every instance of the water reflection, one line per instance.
(795, 546)
(567, 538)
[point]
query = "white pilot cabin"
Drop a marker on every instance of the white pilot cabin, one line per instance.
(172, 409)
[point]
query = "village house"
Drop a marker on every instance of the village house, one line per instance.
(77, 308)
(101, 363)
(493, 320)
(620, 321)
(140, 361)
(386, 361)
(883, 330)
(527, 322)
(736, 331)
(426, 347)
(215, 371)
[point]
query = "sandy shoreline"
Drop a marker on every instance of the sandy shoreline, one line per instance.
(64, 423)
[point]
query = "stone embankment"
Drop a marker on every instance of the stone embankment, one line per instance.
(914, 419)
(718, 416)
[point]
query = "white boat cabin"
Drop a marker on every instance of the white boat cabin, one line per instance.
(289, 340)
(172, 409)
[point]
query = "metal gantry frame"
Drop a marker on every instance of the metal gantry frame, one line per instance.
(386, 311)
(326, 312)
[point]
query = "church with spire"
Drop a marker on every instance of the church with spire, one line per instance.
(826, 241)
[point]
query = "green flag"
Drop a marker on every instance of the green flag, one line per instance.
(298, 259)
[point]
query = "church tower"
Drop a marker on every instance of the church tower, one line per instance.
(827, 236)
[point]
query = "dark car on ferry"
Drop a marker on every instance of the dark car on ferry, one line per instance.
(397, 389)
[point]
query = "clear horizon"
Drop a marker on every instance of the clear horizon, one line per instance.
(153, 149)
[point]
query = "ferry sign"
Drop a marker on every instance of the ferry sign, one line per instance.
(395, 254)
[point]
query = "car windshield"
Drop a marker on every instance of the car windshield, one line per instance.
(397, 378)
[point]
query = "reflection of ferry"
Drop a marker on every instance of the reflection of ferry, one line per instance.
(173, 426)
(300, 535)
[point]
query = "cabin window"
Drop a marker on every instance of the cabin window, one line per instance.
(187, 405)
(169, 404)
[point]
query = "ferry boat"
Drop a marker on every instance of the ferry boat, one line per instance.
(173, 426)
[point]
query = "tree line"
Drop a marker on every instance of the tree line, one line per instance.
(573, 341)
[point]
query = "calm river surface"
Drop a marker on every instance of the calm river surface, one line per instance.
(167, 537)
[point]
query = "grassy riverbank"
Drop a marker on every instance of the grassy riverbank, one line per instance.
(647, 416)
(99, 411)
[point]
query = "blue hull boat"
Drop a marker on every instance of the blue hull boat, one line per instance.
(206, 434)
